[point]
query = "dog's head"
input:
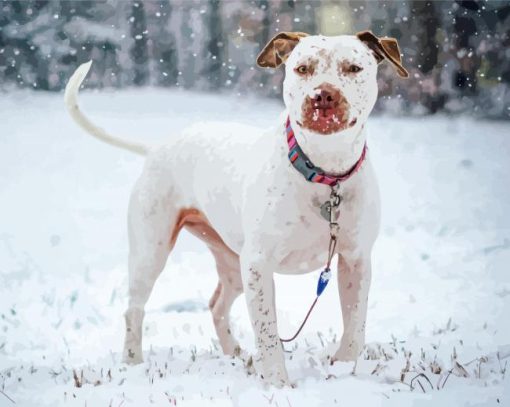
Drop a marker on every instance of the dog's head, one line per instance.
(330, 82)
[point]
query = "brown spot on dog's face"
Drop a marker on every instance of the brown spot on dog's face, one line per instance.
(327, 111)
(326, 56)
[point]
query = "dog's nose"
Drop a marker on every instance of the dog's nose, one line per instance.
(325, 99)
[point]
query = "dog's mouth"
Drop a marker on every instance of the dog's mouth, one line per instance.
(327, 113)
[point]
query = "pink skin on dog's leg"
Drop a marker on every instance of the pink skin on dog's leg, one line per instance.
(228, 268)
(229, 288)
(220, 312)
(354, 283)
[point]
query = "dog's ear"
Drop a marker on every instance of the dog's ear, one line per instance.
(384, 48)
(278, 49)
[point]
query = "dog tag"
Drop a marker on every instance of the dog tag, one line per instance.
(326, 210)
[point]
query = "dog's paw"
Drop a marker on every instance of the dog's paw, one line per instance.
(277, 381)
(232, 348)
(132, 357)
(348, 352)
(274, 374)
(247, 360)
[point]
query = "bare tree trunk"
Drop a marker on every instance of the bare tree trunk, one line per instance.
(426, 20)
(139, 51)
(215, 47)
(262, 37)
(163, 47)
(424, 27)
(464, 27)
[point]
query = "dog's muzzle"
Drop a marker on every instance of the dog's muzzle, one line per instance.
(327, 111)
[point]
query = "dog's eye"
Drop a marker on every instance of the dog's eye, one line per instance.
(302, 69)
(354, 68)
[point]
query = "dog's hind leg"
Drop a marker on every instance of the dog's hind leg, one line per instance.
(230, 284)
(229, 288)
(151, 220)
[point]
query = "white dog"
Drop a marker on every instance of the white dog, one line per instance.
(255, 197)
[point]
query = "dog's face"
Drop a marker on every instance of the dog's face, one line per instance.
(330, 82)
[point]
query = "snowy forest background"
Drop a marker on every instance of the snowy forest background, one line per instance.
(457, 52)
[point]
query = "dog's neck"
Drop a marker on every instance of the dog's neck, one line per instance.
(335, 153)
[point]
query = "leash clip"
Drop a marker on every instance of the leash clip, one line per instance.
(323, 280)
(334, 230)
(334, 196)
(334, 210)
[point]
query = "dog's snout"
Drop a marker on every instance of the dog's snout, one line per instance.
(325, 99)
(326, 109)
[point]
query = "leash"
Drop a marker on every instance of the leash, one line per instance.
(330, 210)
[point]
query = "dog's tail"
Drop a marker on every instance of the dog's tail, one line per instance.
(71, 96)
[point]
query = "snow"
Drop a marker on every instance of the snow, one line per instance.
(440, 294)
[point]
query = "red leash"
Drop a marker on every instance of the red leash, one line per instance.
(303, 323)
(321, 285)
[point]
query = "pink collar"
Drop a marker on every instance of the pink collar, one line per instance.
(311, 172)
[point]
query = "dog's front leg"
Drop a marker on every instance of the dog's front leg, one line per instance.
(257, 274)
(354, 274)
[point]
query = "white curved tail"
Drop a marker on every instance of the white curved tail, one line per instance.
(71, 96)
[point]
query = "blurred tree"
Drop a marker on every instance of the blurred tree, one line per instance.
(262, 36)
(161, 43)
(425, 32)
(465, 28)
(424, 27)
(88, 31)
(22, 55)
(285, 11)
(215, 45)
(497, 20)
(139, 51)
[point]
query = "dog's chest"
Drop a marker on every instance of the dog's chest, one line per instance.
(306, 233)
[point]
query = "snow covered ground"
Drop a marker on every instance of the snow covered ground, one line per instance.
(440, 298)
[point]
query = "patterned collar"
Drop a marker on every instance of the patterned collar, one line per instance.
(312, 173)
